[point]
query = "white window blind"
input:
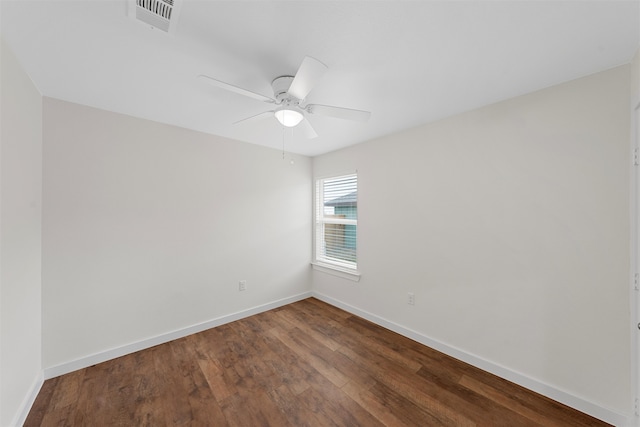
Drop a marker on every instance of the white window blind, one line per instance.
(336, 215)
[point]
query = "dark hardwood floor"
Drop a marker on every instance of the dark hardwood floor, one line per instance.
(305, 364)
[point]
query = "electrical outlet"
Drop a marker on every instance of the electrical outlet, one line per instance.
(242, 285)
(411, 298)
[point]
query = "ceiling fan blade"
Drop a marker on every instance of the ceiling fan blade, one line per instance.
(310, 72)
(235, 89)
(260, 116)
(338, 112)
(307, 129)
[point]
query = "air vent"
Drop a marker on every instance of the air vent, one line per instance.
(161, 14)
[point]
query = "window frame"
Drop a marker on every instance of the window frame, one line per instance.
(344, 269)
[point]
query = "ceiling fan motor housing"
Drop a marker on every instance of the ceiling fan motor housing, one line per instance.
(280, 87)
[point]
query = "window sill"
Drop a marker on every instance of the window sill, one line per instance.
(337, 271)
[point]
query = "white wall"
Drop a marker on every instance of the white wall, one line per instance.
(635, 79)
(635, 197)
(20, 239)
(147, 228)
(511, 226)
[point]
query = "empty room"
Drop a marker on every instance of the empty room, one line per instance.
(319, 213)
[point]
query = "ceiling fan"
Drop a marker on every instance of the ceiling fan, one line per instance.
(289, 93)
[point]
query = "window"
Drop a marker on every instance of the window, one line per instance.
(336, 222)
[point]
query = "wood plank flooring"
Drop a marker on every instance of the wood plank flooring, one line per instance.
(305, 364)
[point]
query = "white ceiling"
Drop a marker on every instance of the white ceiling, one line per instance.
(408, 62)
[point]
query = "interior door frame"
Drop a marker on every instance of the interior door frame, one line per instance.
(635, 263)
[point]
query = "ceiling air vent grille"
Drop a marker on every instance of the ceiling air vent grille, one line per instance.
(160, 14)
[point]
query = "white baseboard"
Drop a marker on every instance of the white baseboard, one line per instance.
(551, 392)
(113, 353)
(27, 402)
(582, 405)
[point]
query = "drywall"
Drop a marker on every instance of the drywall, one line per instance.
(148, 228)
(20, 239)
(635, 224)
(635, 80)
(510, 224)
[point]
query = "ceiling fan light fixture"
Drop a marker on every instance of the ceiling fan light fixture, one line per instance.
(288, 117)
(289, 92)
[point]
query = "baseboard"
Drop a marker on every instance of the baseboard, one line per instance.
(578, 403)
(551, 392)
(113, 353)
(27, 402)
